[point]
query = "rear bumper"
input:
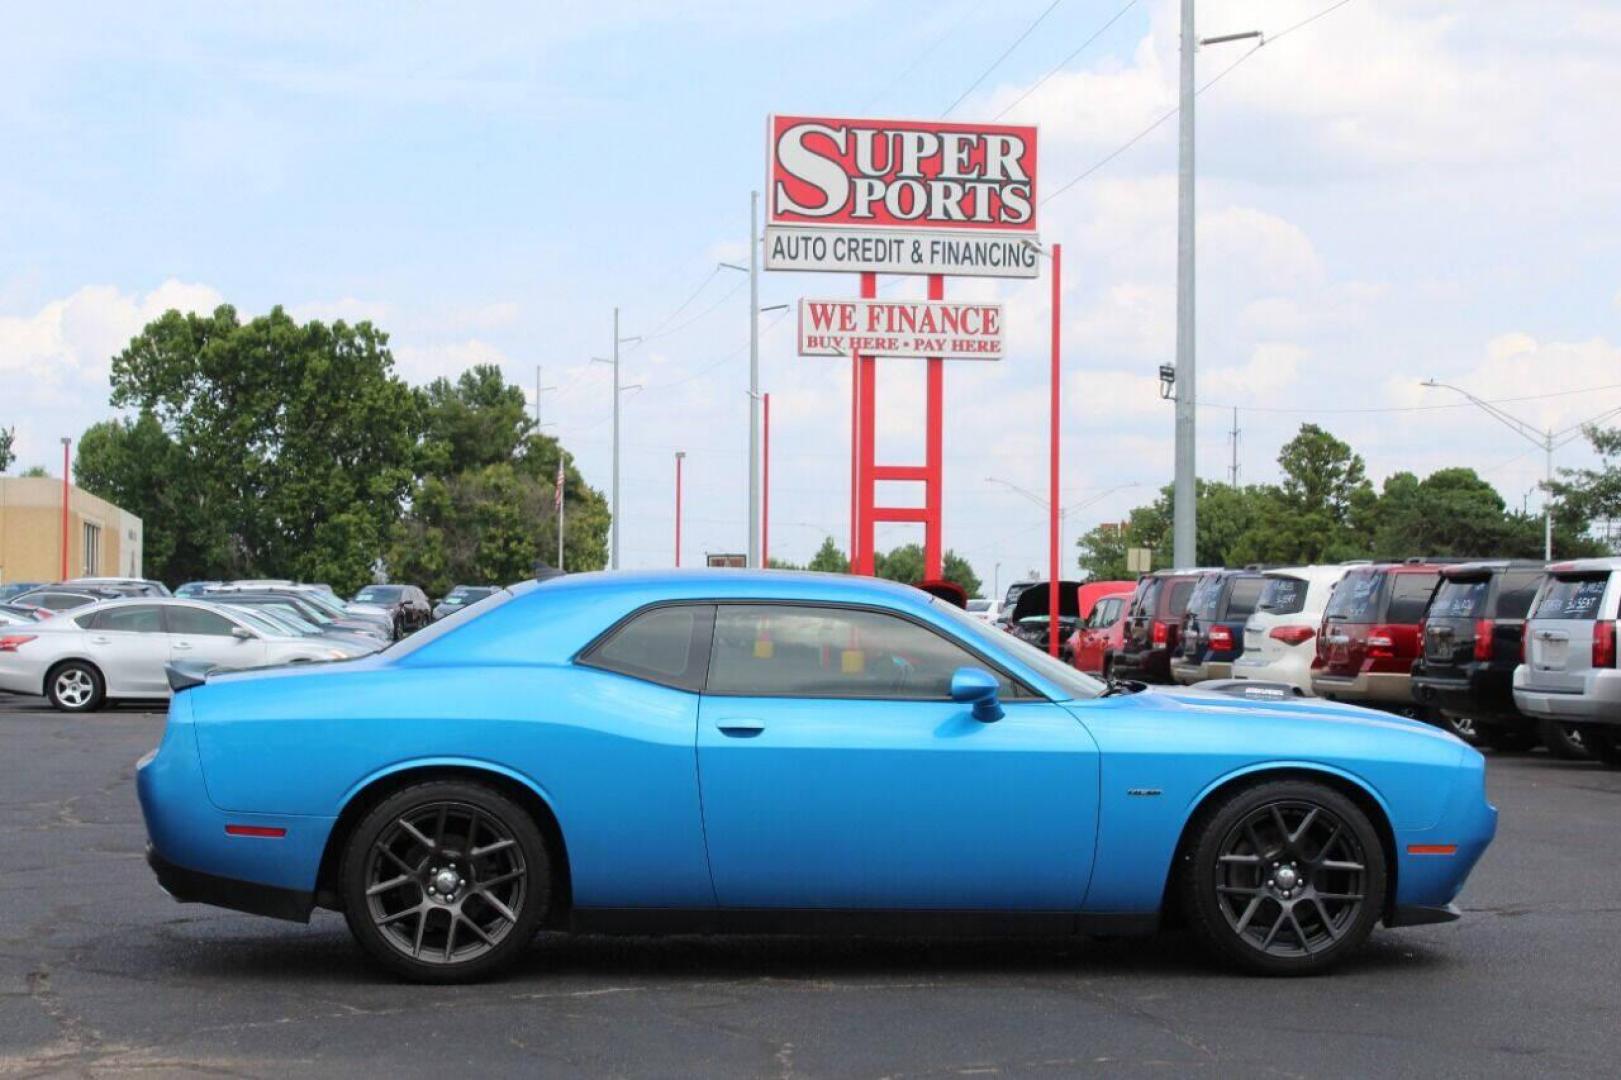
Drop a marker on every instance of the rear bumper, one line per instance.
(1295, 671)
(196, 887)
(1481, 695)
(1151, 666)
(1188, 672)
(1598, 702)
(1389, 688)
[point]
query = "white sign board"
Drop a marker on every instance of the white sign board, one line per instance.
(896, 251)
(947, 329)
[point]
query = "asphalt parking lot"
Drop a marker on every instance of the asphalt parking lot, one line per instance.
(101, 973)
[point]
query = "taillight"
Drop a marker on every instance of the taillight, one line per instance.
(10, 642)
(1221, 638)
(1381, 643)
(1292, 635)
(1483, 639)
(1525, 628)
(1603, 644)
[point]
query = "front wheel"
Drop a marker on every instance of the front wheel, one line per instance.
(445, 882)
(76, 687)
(1286, 878)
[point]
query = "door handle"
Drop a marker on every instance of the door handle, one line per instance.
(181, 645)
(102, 640)
(740, 727)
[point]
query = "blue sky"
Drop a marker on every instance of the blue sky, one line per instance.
(1398, 190)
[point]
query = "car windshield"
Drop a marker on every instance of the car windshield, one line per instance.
(1572, 597)
(379, 594)
(979, 605)
(1356, 597)
(323, 603)
(263, 623)
(1070, 682)
(1282, 595)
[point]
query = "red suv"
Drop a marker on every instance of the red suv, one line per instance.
(1154, 625)
(1371, 634)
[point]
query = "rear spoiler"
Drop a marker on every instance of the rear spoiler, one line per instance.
(185, 674)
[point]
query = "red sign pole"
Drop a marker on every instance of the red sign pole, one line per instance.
(765, 486)
(934, 452)
(855, 456)
(861, 555)
(1053, 394)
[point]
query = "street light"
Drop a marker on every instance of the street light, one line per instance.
(1549, 441)
(613, 542)
(1184, 530)
(753, 271)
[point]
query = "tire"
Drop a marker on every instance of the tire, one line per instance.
(76, 687)
(1564, 741)
(1604, 743)
(1260, 898)
(444, 912)
(1507, 740)
(1461, 726)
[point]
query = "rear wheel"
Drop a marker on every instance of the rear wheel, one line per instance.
(76, 687)
(1286, 878)
(445, 881)
(1462, 726)
(1564, 741)
(1604, 743)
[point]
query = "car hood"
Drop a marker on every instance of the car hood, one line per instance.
(1306, 710)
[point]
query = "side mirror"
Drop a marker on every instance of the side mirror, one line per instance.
(242, 633)
(977, 687)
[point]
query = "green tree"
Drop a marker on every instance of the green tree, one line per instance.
(34, 471)
(136, 465)
(7, 435)
(829, 559)
(482, 509)
(1454, 512)
(296, 441)
(1584, 496)
(905, 564)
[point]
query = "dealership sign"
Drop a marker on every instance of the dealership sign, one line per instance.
(902, 197)
(954, 331)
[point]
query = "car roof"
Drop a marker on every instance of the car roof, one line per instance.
(1470, 569)
(1585, 565)
(735, 584)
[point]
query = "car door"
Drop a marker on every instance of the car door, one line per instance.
(837, 773)
(128, 644)
(197, 633)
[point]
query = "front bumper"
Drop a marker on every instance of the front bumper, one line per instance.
(196, 887)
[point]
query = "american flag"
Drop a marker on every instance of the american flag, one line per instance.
(557, 488)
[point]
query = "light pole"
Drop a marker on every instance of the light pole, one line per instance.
(680, 455)
(753, 271)
(539, 390)
(613, 534)
(66, 443)
(1184, 527)
(1549, 440)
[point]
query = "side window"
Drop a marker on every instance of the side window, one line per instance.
(1515, 591)
(1176, 604)
(666, 645)
(1409, 596)
(197, 622)
(133, 619)
(785, 651)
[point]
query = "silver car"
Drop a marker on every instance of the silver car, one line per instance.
(118, 649)
(1571, 671)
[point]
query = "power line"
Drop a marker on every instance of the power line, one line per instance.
(1062, 64)
(702, 285)
(1404, 408)
(700, 317)
(1005, 54)
(1145, 132)
(920, 57)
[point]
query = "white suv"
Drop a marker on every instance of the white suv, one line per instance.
(1280, 636)
(1571, 671)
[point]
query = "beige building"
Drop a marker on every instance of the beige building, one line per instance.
(103, 541)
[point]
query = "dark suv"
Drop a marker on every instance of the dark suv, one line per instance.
(1213, 625)
(1154, 625)
(1369, 638)
(1470, 647)
(407, 605)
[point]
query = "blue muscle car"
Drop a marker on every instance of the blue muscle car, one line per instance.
(726, 750)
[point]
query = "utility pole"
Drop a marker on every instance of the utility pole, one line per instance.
(539, 390)
(1184, 529)
(754, 379)
(1232, 475)
(618, 389)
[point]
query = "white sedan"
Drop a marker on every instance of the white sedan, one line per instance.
(118, 649)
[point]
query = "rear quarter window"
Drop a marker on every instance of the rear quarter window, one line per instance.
(1572, 597)
(1176, 598)
(1283, 596)
(1409, 595)
(1205, 598)
(1515, 592)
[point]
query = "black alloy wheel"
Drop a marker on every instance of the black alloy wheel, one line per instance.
(1286, 878)
(446, 881)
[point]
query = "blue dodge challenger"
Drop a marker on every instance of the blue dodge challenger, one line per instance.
(732, 751)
